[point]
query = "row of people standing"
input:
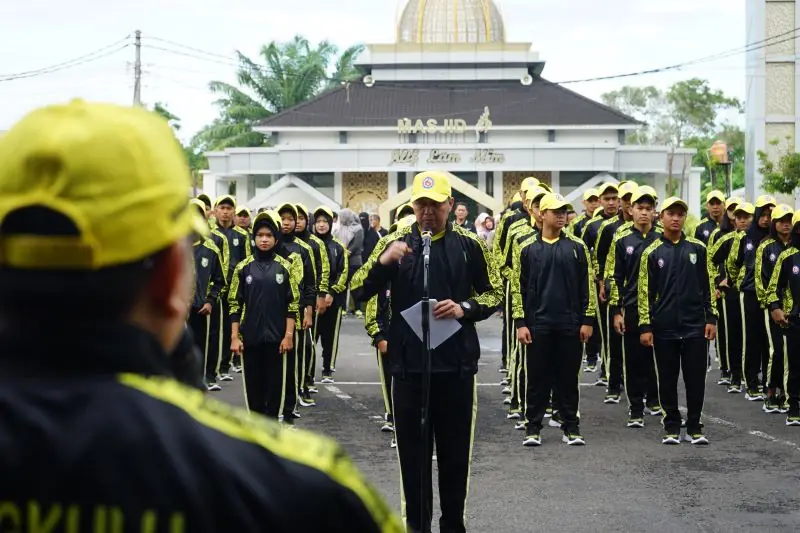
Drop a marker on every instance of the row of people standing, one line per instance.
(272, 292)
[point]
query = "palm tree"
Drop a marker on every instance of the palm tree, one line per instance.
(291, 73)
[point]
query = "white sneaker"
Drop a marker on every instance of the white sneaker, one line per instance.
(213, 387)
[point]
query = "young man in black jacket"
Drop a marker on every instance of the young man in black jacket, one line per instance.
(676, 318)
(622, 271)
(265, 292)
(124, 438)
(466, 287)
(554, 307)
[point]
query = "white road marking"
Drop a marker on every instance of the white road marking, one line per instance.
(753, 432)
(376, 383)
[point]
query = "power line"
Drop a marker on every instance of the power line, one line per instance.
(80, 60)
(192, 48)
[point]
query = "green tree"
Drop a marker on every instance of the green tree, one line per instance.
(196, 160)
(687, 109)
(781, 176)
(288, 74)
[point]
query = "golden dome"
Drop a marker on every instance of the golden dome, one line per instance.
(450, 21)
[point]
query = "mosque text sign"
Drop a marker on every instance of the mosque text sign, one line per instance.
(452, 126)
(411, 157)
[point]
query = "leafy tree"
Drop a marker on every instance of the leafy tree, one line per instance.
(287, 74)
(781, 176)
(688, 109)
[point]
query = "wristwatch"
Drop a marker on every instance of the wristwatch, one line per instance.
(466, 307)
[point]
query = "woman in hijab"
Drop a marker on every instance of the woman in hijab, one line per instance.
(484, 225)
(351, 233)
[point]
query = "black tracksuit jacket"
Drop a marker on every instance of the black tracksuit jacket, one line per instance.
(209, 277)
(461, 269)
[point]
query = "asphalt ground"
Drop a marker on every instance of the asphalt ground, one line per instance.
(747, 479)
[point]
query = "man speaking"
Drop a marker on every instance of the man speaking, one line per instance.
(466, 287)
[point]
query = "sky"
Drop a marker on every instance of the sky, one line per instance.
(577, 38)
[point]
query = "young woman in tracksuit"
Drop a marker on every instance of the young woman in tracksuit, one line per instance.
(263, 300)
(783, 302)
(741, 267)
(731, 345)
(329, 320)
(677, 318)
(780, 238)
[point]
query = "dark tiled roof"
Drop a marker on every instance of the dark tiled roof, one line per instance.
(511, 104)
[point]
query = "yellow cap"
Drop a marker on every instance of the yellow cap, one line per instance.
(590, 193)
(552, 201)
(117, 173)
(528, 183)
(516, 198)
(535, 194)
(301, 209)
(796, 218)
(782, 211)
(715, 194)
(432, 185)
(546, 187)
(269, 217)
(206, 199)
(243, 211)
(673, 201)
(642, 192)
(227, 198)
(765, 200)
(733, 201)
(627, 187)
(745, 207)
(606, 188)
(286, 207)
(323, 210)
(404, 207)
(406, 222)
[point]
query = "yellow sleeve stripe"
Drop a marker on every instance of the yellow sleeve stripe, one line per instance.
(371, 317)
(294, 304)
(644, 283)
(298, 446)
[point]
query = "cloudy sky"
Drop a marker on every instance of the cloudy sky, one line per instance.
(577, 38)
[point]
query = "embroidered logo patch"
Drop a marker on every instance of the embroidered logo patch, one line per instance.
(660, 263)
(279, 278)
(693, 258)
(705, 233)
(795, 269)
(629, 250)
(235, 242)
(428, 183)
(248, 280)
(772, 257)
(204, 262)
(749, 245)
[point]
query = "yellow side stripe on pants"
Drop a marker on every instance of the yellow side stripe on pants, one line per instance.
(768, 377)
(384, 390)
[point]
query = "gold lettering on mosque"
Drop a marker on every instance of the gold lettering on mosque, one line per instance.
(404, 157)
(440, 156)
(488, 156)
(406, 126)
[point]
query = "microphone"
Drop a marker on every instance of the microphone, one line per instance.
(426, 243)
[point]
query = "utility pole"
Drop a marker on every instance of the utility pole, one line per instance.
(137, 70)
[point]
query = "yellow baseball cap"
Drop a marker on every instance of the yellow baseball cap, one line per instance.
(206, 199)
(765, 200)
(432, 185)
(536, 194)
(301, 209)
(552, 201)
(528, 183)
(590, 193)
(516, 198)
(269, 217)
(323, 210)
(642, 192)
(606, 188)
(225, 198)
(287, 207)
(733, 201)
(746, 207)
(715, 194)
(673, 201)
(243, 211)
(117, 173)
(627, 187)
(781, 211)
(546, 187)
(404, 208)
(796, 218)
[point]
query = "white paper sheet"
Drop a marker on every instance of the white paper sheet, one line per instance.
(441, 329)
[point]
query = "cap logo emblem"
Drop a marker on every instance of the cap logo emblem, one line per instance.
(427, 182)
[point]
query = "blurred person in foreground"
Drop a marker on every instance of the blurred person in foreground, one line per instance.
(95, 243)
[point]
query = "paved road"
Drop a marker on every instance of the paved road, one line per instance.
(622, 480)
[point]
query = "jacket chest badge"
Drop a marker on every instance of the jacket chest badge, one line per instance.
(660, 263)
(705, 233)
(693, 258)
(235, 241)
(248, 280)
(772, 258)
(629, 250)
(796, 270)
(204, 262)
(749, 246)
(279, 278)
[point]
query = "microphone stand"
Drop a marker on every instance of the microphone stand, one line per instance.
(425, 475)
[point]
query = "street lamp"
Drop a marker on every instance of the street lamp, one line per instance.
(719, 156)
